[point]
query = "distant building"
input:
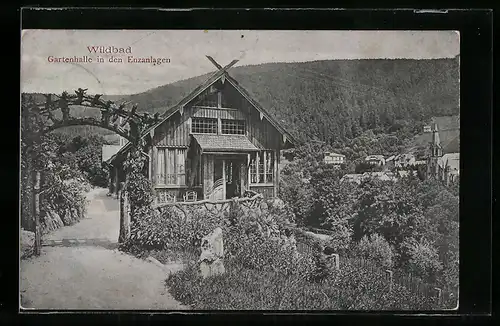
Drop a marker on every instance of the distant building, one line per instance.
(443, 167)
(427, 129)
(407, 173)
(404, 160)
(334, 158)
(375, 160)
(358, 178)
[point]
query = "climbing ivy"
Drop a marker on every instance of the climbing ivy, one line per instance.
(137, 186)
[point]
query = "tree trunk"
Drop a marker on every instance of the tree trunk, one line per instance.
(124, 215)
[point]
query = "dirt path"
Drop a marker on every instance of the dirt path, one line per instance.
(80, 268)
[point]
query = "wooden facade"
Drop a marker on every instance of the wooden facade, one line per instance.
(216, 143)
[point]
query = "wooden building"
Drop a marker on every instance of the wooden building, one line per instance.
(216, 143)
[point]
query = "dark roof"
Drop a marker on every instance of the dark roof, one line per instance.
(224, 143)
(453, 146)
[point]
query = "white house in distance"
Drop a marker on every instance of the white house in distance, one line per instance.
(375, 160)
(334, 158)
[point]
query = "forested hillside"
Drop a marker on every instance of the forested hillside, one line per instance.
(336, 99)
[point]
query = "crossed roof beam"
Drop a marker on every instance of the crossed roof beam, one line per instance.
(225, 69)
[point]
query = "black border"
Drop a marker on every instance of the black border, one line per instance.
(475, 28)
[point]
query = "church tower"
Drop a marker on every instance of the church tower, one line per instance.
(435, 152)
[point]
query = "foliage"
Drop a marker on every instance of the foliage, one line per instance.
(65, 198)
(389, 209)
(61, 181)
(293, 190)
(241, 288)
(375, 248)
(424, 259)
(86, 151)
(170, 229)
(333, 199)
(342, 239)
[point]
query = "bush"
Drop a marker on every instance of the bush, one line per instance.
(341, 241)
(241, 288)
(27, 244)
(171, 229)
(66, 198)
(376, 249)
(424, 259)
(297, 194)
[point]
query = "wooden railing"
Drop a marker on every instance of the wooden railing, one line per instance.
(209, 201)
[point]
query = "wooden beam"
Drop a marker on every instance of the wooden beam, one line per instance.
(150, 164)
(275, 173)
(223, 179)
(261, 115)
(249, 160)
(181, 109)
(257, 162)
(219, 66)
(212, 60)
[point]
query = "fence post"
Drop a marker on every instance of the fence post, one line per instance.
(336, 258)
(439, 292)
(389, 276)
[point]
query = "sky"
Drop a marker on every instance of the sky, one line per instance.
(186, 50)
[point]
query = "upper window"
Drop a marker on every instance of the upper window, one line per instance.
(204, 125)
(233, 127)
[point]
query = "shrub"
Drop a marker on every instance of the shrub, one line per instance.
(241, 288)
(377, 249)
(424, 259)
(260, 239)
(297, 194)
(65, 198)
(171, 229)
(341, 240)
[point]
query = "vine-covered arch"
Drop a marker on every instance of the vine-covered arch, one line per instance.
(55, 112)
(43, 115)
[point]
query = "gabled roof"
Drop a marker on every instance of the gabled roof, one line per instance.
(334, 154)
(198, 90)
(451, 159)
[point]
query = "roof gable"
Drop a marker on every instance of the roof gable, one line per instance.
(220, 74)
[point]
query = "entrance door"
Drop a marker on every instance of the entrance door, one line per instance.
(227, 180)
(232, 178)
